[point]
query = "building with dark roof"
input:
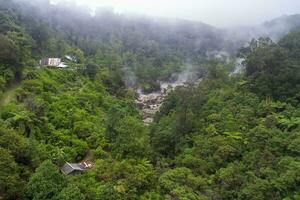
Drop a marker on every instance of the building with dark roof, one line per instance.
(72, 168)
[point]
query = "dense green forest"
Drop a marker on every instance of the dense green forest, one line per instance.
(230, 136)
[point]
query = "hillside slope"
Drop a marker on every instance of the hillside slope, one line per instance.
(230, 136)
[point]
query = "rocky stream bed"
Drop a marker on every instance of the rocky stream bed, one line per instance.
(150, 103)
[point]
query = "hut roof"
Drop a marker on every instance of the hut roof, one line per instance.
(68, 168)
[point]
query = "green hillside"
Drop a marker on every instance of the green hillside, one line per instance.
(230, 136)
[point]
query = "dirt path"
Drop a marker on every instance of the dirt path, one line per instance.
(8, 95)
(88, 157)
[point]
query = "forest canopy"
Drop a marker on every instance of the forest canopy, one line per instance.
(233, 134)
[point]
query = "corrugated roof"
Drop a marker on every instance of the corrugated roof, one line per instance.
(70, 167)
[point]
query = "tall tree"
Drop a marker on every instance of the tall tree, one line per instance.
(46, 182)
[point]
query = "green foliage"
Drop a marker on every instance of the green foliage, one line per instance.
(129, 177)
(10, 182)
(108, 192)
(237, 144)
(291, 44)
(71, 192)
(180, 183)
(9, 54)
(232, 136)
(130, 139)
(273, 69)
(46, 182)
(17, 145)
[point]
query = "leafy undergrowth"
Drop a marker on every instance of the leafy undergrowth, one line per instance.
(8, 95)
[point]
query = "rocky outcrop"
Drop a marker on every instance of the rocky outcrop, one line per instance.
(149, 104)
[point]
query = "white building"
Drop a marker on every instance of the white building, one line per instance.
(50, 62)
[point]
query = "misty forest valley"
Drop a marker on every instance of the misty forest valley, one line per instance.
(104, 105)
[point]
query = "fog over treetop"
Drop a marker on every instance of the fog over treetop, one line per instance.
(215, 12)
